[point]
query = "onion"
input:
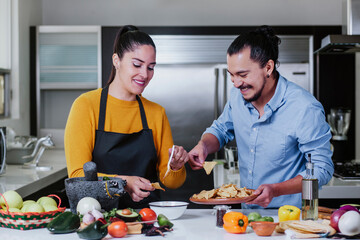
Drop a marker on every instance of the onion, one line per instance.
(349, 223)
(335, 216)
(349, 208)
(88, 218)
(97, 214)
(87, 204)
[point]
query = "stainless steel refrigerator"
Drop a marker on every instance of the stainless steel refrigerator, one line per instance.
(193, 96)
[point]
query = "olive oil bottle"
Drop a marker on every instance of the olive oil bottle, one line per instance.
(310, 193)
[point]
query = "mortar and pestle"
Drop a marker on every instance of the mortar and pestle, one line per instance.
(106, 192)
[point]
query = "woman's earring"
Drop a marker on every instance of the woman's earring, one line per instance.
(267, 75)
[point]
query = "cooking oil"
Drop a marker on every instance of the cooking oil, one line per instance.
(310, 193)
(309, 209)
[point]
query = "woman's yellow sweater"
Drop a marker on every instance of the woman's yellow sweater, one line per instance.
(121, 117)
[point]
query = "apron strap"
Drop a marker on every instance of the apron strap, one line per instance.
(102, 112)
(142, 112)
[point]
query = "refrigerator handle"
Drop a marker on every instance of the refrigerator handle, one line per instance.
(216, 98)
(225, 87)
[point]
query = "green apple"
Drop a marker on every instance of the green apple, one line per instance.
(46, 201)
(34, 207)
(12, 209)
(49, 208)
(13, 199)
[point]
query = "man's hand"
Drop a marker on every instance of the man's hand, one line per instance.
(265, 192)
(197, 156)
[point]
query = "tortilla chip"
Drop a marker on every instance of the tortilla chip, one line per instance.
(225, 191)
(156, 185)
(208, 166)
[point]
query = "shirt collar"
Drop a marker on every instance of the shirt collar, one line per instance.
(277, 100)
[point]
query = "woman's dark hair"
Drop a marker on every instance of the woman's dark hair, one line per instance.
(263, 43)
(127, 39)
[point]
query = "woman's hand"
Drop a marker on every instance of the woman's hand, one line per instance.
(137, 187)
(180, 157)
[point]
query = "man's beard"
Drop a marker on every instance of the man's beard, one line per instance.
(257, 94)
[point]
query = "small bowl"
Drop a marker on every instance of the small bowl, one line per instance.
(263, 228)
(171, 209)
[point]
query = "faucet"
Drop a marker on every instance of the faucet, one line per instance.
(41, 145)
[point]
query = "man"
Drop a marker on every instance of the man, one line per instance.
(275, 122)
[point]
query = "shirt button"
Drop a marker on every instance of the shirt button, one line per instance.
(252, 150)
(250, 172)
(254, 129)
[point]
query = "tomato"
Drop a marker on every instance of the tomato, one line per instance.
(118, 229)
(147, 214)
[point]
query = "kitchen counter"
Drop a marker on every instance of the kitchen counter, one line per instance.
(28, 181)
(338, 188)
(194, 224)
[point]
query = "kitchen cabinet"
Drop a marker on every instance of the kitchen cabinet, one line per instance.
(68, 63)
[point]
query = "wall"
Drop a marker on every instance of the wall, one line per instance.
(192, 12)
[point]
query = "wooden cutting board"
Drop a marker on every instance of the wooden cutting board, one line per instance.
(325, 212)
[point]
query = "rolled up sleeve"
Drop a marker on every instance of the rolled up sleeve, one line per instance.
(314, 138)
(223, 127)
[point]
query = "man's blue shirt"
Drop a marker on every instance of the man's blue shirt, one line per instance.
(273, 148)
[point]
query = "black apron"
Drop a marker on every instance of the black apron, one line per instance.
(131, 154)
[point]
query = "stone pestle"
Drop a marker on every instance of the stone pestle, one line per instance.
(90, 171)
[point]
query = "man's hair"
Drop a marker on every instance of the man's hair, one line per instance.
(263, 43)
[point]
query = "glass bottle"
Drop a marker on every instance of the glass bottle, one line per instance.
(220, 211)
(310, 193)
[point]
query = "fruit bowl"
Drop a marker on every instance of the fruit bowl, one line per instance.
(171, 209)
(263, 228)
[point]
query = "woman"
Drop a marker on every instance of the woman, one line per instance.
(126, 135)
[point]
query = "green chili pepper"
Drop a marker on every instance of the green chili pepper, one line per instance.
(94, 231)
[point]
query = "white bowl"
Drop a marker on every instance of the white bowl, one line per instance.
(171, 209)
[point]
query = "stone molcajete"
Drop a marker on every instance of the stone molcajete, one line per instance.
(107, 192)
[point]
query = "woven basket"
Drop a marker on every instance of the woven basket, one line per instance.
(28, 220)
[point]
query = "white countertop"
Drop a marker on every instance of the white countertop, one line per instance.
(28, 181)
(194, 224)
(338, 188)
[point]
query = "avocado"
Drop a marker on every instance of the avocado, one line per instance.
(127, 214)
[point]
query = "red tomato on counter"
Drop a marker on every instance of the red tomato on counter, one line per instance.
(118, 229)
(147, 214)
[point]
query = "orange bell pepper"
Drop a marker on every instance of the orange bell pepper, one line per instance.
(235, 222)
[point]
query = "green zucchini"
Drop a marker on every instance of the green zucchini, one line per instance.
(65, 222)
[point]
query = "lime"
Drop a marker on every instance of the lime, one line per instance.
(266, 219)
(253, 216)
